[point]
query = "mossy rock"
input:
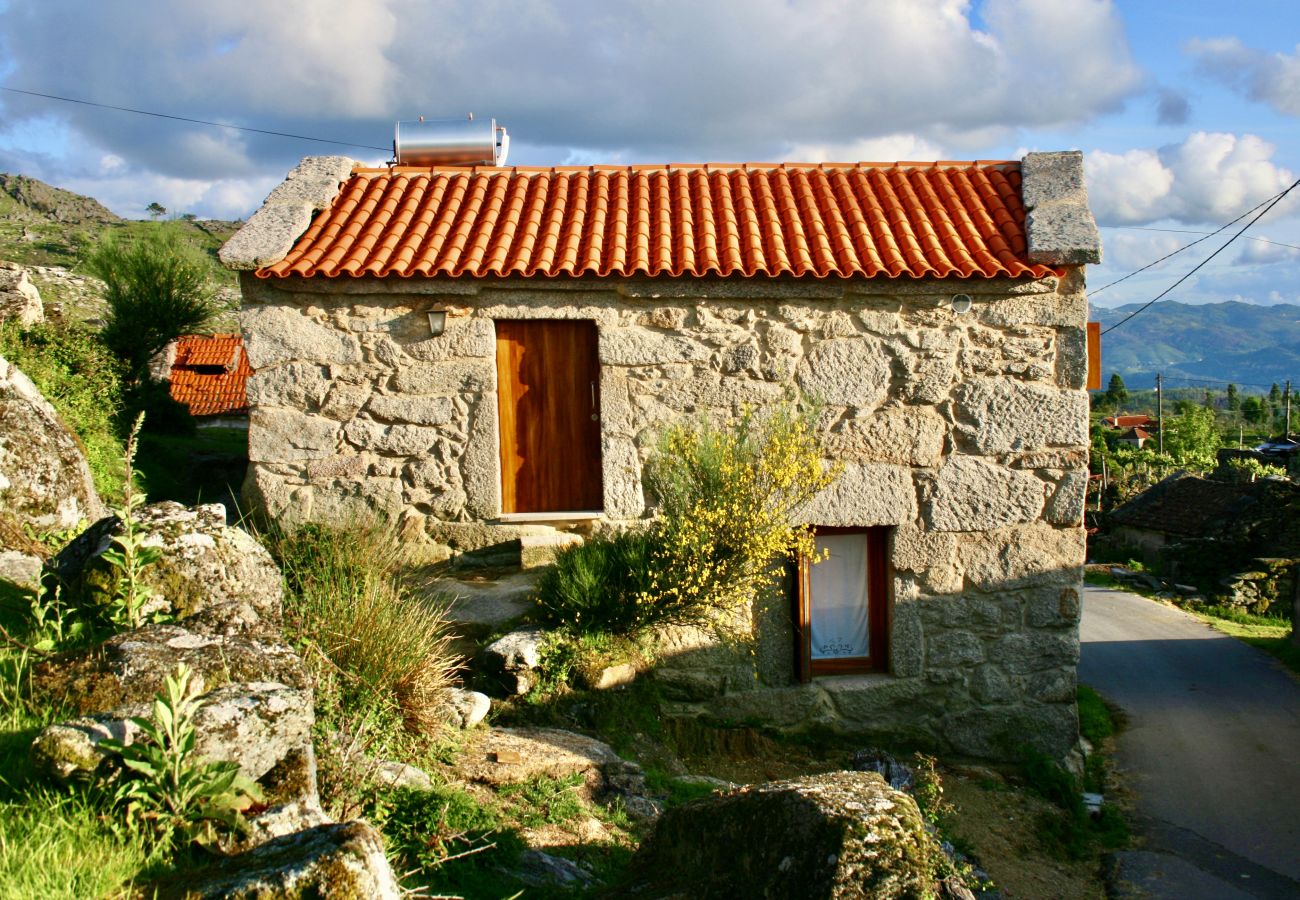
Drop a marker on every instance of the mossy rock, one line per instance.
(205, 563)
(839, 835)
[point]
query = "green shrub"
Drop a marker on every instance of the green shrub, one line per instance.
(157, 289)
(74, 369)
(346, 599)
(163, 788)
(597, 586)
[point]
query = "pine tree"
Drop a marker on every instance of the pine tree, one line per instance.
(1234, 401)
(1116, 392)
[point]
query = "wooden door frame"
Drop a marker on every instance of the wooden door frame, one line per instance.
(879, 610)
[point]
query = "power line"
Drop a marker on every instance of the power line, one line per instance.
(1208, 235)
(158, 115)
(1272, 203)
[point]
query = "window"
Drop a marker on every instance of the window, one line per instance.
(842, 604)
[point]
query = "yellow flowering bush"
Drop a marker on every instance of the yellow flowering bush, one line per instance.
(728, 497)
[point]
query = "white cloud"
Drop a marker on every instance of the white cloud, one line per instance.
(883, 149)
(1272, 78)
(732, 79)
(1208, 178)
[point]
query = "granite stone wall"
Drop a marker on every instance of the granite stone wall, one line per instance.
(967, 433)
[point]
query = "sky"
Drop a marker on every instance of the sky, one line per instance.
(1187, 111)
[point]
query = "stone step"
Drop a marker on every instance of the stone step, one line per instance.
(539, 550)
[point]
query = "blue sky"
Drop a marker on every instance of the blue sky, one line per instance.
(1188, 112)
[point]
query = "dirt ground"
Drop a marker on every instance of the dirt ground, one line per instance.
(998, 824)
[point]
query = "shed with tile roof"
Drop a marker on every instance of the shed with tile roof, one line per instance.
(209, 375)
(486, 354)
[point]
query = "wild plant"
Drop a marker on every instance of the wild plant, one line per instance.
(729, 500)
(163, 787)
(347, 597)
(129, 556)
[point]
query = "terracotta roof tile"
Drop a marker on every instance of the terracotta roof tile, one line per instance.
(206, 392)
(949, 219)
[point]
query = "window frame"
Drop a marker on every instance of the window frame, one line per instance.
(879, 610)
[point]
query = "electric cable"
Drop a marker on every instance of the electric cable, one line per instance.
(158, 115)
(1249, 237)
(1208, 235)
(1271, 203)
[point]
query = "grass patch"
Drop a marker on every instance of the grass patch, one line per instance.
(1269, 633)
(1096, 722)
(450, 843)
(55, 845)
(543, 800)
(1070, 832)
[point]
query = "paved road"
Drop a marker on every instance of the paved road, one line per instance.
(1212, 748)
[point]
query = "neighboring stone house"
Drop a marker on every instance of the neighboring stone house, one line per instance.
(486, 354)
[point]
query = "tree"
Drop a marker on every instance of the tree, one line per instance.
(1116, 392)
(157, 289)
(156, 210)
(1255, 410)
(1191, 438)
(1234, 400)
(1275, 395)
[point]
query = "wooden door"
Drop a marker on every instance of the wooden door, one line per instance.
(548, 390)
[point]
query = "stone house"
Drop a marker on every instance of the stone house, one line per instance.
(486, 354)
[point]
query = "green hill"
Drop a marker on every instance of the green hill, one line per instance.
(52, 229)
(1231, 341)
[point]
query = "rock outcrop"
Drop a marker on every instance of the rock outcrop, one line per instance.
(840, 835)
(45, 481)
(330, 861)
(205, 562)
(263, 727)
(20, 300)
(130, 668)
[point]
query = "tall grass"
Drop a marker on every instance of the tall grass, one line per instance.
(346, 599)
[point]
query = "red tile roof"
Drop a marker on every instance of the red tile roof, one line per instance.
(204, 391)
(1126, 421)
(944, 219)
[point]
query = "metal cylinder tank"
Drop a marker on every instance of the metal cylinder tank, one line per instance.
(450, 142)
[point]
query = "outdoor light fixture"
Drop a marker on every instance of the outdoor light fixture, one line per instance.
(437, 321)
(961, 303)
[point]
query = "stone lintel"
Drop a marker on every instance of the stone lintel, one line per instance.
(1059, 226)
(269, 234)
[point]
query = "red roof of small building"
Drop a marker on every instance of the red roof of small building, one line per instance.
(210, 374)
(1135, 433)
(915, 220)
(1126, 421)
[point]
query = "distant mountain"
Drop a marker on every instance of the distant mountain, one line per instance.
(1237, 342)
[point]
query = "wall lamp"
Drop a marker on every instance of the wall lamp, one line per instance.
(961, 303)
(437, 321)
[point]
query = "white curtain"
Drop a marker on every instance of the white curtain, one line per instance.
(839, 597)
